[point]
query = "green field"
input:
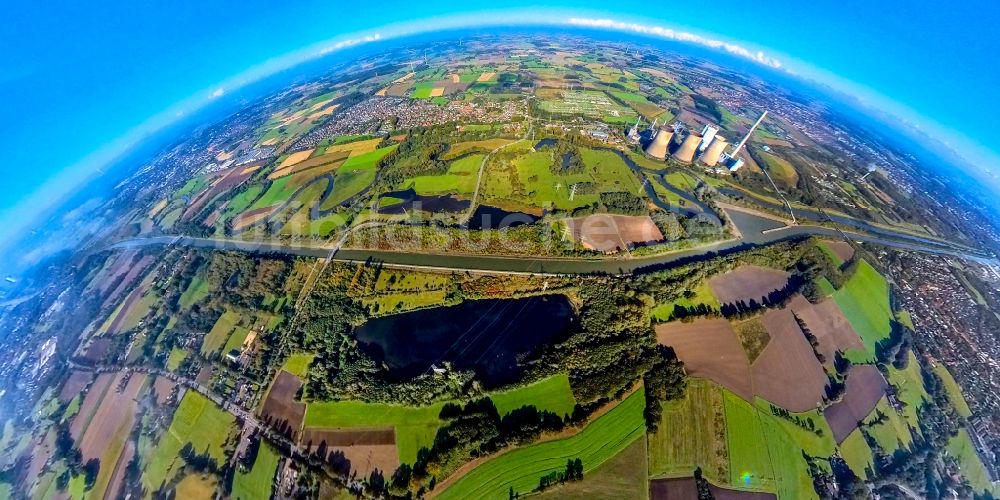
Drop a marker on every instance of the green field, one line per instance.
(702, 295)
(356, 174)
(857, 454)
(235, 342)
(242, 201)
(521, 469)
(460, 179)
(416, 425)
(750, 460)
(278, 192)
(864, 299)
(781, 171)
(175, 358)
(197, 290)
(298, 364)
(422, 90)
(954, 391)
(691, 434)
(256, 484)
(825, 286)
(641, 105)
(192, 186)
(910, 388)
(891, 434)
(552, 394)
(197, 421)
(972, 467)
(905, 319)
(219, 333)
(485, 146)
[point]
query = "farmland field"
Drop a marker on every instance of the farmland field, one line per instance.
(829, 325)
(521, 468)
(197, 421)
(623, 476)
(972, 467)
(787, 372)
(891, 434)
(865, 387)
(590, 103)
(857, 454)
(692, 433)
(217, 336)
(909, 383)
(710, 349)
(551, 394)
(746, 283)
(749, 457)
(416, 425)
(197, 290)
(864, 299)
(954, 391)
(298, 364)
(256, 484)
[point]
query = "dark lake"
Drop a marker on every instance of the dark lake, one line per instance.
(488, 336)
(413, 201)
(487, 217)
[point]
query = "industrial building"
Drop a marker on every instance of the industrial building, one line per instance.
(688, 148)
(713, 152)
(660, 144)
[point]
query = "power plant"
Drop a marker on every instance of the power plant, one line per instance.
(708, 147)
(661, 142)
(714, 151)
(688, 148)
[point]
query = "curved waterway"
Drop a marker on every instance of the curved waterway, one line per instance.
(488, 336)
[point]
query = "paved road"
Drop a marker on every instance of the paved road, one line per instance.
(754, 229)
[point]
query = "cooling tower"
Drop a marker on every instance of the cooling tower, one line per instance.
(711, 155)
(688, 148)
(658, 148)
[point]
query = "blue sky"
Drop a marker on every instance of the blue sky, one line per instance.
(81, 80)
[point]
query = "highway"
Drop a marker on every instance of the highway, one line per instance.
(755, 230)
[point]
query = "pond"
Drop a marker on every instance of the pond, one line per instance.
(412, 201)
(487, 217)
(488, 336)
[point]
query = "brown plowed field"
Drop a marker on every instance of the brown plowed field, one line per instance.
(865, 386)
(606, 233)
(842, 249)
(251, 217)
(162, 387)
(129, 278)
(90, 403)
(709, 349)
(685, 488)
(74, 384)
(112, 418)
(366, 449)
(123, 314)
(787, 373)
(281, 406)
(745, 283)
(826, 321)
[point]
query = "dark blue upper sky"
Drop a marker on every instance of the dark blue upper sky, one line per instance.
(77, 76)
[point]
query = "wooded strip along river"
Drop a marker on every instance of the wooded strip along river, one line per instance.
(749, 225)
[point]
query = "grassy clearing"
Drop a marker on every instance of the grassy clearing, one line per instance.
(217, 337)
(256, 484)
(750, 460)
(781, 171)
(864, 299)
(892, 433)
(197, 421)
(485, 146)
(235, 342)
(278, 192)
(298, 364)
(954, 391)
(356, 174)
(910, 388)
(753, 336)
(857, 454)
(825, 286)
(830, 254)
(639, 103)
(702, 295)
(175, 358)
(553, 394)
(537, 185)
(904, 318)
(521, 469)
(691, 434)
(971, 465)
(196, 291)
(196, 486)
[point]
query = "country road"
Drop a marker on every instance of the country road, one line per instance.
(754, 229)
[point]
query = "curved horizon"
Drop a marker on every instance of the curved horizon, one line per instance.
(72, 176)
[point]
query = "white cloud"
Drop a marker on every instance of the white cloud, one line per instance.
(218, 92)
(349, 43)
(680, 36)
